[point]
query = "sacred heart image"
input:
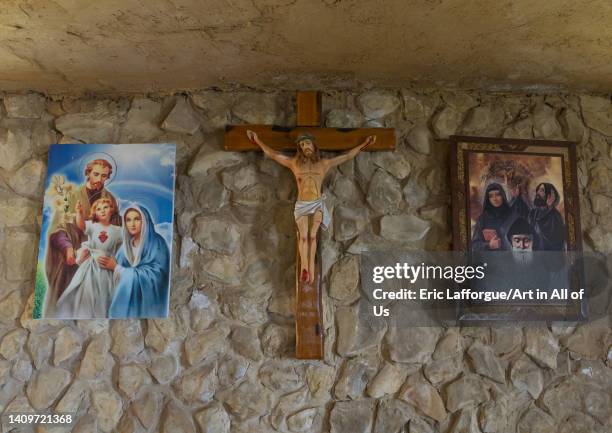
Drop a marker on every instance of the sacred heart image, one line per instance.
(106, 235)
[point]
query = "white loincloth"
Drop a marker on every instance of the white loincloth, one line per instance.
(303, 208)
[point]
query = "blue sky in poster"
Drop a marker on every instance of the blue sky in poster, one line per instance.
(142, 173)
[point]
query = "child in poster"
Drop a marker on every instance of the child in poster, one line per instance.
(90, 290)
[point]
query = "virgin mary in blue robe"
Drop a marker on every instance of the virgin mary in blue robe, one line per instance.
(142, 272)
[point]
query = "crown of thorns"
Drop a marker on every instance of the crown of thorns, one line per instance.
(303, 137)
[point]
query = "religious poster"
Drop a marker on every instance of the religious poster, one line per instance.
(517, 197)
(499, 183)
(106, 236)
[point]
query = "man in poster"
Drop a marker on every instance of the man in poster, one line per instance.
(522, 238)
(65, 237)
(546, 219)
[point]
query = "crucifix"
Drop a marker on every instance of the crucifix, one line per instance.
(310, 213)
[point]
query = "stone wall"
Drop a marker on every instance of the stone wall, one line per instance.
(223, 360)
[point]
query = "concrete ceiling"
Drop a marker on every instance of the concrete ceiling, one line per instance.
(164, 45)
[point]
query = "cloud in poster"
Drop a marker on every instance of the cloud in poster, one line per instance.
(47, 209)
(167, 159)
(165, 230)
(162, 153)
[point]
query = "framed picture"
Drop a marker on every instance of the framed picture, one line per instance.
(513, 196)
(106, 238)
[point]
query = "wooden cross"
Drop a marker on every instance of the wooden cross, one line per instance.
(308, 317)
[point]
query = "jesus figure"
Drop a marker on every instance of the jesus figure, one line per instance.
(310, 212)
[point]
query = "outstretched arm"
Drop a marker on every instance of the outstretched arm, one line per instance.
(332, 162)
(276, 156)
(80, 217)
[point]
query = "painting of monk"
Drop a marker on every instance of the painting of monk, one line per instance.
(106, 234)
(516, 207)
(504, 187)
